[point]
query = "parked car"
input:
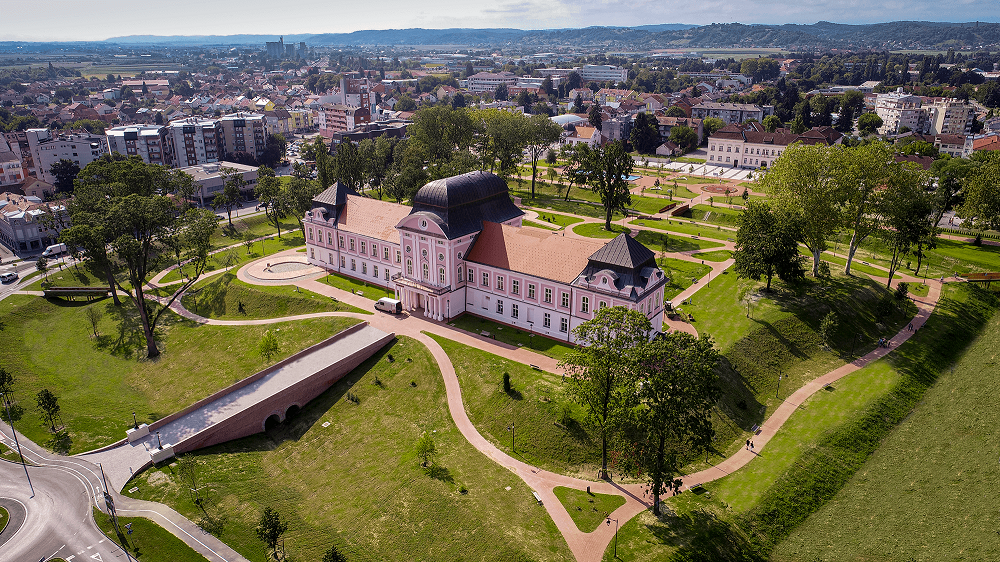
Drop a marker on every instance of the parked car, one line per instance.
(8, 277)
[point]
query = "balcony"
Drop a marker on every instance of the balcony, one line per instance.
(429, 289)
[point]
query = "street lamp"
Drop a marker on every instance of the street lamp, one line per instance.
(608, 520)
(511, 429)
(777, 388)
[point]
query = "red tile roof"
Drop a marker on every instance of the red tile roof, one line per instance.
(372, 218)
(546, 255)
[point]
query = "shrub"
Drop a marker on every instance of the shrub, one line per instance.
(824, 270)
(506, 382)
(901, 290)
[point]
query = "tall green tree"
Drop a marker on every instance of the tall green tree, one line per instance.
(906, 211)
(766, 244)
(607, 170)
(772, 123)
(594, 116)
(503, 138)
(270, 527)
(541, 133)
(48, 405)
(677, 392)
(442, 135)
(981, 208)
(602, 374)
(950, 174)
(297, 197)
(684, 137)
(869, 123)
(645, 135)
(231, 194)
(64, 171)
(349, 165)
(711, 125)
(803, 181)
(272, 197)
(577, 156)
(863, 170)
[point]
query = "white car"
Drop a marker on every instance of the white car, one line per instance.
(8, 277)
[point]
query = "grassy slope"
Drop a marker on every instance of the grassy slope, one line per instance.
(654, 241)
(534, 405)
(357, 483)
(99, 383)
(373, 292)
(685, 227)
(221, 297)
(680, 274)
(513, 336)
(588, 510)
(596, 230)
(239, 255)
(148, 542)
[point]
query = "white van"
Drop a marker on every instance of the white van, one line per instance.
(54, 250)
(392, 306)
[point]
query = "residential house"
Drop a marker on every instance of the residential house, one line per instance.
(750, 146)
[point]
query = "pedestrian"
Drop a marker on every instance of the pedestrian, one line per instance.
(910, 327)
(751, 446)
(748, 444)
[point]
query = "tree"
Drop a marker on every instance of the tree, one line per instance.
(766, 244)
(274, 150)
(677, 393)
(64, 171)
(573, 80)
(951, 174)
(231, 194)
(502, 140)
(675, 111)
(827, 327)
(601, 372)
(48, 405)
(6, 381)
(334, 555)
(575, 171)
(798, 126)
(94, 316)
(268, 346)
(645, 135)
(607, 170)
(862, 170)
(802, 182)
(270, 528)
(869, 123)
(500, 94)
(443, 135)
(350, 168)
(42, 266)
(426, 449)
(272, 197)
(711, 125)
(577, 104)
(542, 132)
(684, 137)
(920, 148)
(905, 208)
(772, 123)
(405, 103)
(594, 116)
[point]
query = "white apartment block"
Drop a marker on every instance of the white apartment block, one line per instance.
(11, 169)
(897, 110)
(48, 147)
(750, 146)
(194, 141)
(956, 146)
(489, 81)
(946, 116)
(603, 73)
(149, 142)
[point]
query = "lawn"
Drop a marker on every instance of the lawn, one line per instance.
(148, 542)
(541, 225)
(226, 297)
(100, 381)
(923, 494)
(513, 336)
(671, 193)
(680, 275)
(596, 230)
(685, 227)
(551, 430)
(255, 225)
(4, 519)
(555, 220)
(372, 292)
(587, 509)
(718, 255)
(238, 257)
(725, 216)
(68, 277)
(654, 241)
(347, 474)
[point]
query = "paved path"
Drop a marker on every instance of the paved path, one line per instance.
(59, 520)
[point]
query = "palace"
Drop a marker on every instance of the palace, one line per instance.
(461, 248)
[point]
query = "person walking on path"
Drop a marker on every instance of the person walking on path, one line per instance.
(748, 444)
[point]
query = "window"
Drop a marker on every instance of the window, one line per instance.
(329, 258)
(374, 250)
(585, 305)
(310, 234)
(531, 291)
(515, 287)
(387, 274)
(312, 252)
(441, 275)
(548, 295)
(340, 239)
(352, 244)
(712, 147)
(385, 253)
(601, 305)
(729, 149)
(513, 311)
(499, 283)
(375, 271)
(499, 306)
(399, 256)
(364, 268)
(565, 300)
(329, 238)
(440, 257)
(409, 267)
(711, 157)
(563, 325)
(471, 276)
(546, 320)
(343, 262)
(486, 279)
(426, 271)
(353, 265)
(363, 248)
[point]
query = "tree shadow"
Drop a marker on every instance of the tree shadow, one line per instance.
(439, 472)
(514, 394)
(703, 536)
(129, 339)
(60, 443)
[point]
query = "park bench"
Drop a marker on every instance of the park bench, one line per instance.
(537, 497)
(536, 367)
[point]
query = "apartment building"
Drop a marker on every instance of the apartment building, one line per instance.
(731, 113)
(603, 73)
(23, 227)
(948, 116)
(11, 169)
(956, 146)
(750, 146)
(194, 140)
(489, 81)
(48, 147)
(149, 142)
(899, 109)
(339, 118)
(244, 133)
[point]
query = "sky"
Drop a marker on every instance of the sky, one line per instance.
(68, 20)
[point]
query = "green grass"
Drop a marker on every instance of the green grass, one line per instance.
(226, 297)
(718, 255)
(680, 274)
(688, 160)
(555, 220)
(692, 180)
(513, 336)
(684, 227)
(535, 405)
(68, 277)
(543, 226)
(596, 230)
(837, 264)
(240, 256)
(654, 241)
(588, 510)
(724, 216)
(148, 542)
(100, 381)
(256, 225)
(4, 519)
(358, 484)
(372, 292)
(921, 494)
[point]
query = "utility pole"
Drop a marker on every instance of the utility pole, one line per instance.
(6, 404)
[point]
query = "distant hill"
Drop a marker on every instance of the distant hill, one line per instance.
(820, 35)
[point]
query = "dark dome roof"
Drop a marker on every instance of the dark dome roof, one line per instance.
(452, 192)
